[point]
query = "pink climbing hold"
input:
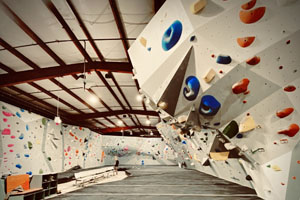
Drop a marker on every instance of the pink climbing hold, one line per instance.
(10, 145)
(69, 148)
(6, 131)
(240, 86)
(285, 112)
(7, 114)
(12, 137)
(291, 131)
(11, 150)
(5, 119)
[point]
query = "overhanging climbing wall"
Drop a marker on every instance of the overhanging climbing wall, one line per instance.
(225, 77)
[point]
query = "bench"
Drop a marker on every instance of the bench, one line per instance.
(92, 175)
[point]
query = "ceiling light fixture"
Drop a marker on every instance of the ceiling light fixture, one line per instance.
(57, 119)
(139, 97)
(93, 99)
(120, 123)
(148, 122)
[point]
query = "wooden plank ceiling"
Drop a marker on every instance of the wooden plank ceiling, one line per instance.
(69, 58)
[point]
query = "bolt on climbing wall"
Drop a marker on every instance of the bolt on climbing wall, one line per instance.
(225, 77)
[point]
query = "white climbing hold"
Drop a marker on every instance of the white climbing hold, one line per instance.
(247, 124)
(209, 76)
(229, 146)
(197, 6)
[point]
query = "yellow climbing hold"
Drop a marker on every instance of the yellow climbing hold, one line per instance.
(247, 124)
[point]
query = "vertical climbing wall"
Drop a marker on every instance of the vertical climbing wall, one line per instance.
(32, 144)
(225, 77)
(136, 151)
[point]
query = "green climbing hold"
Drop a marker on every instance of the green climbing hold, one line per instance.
(41, 171)
(49, 158)
(269, 166)
(3, 107)
(29, 145)
(44, 121)
(231, 129)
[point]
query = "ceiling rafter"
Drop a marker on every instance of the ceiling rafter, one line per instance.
(52, 72)
(112, 113)
(100, 56)
(123, 35)
(33, 65)
(85, 30)
(105, 105)
(33, 107)
(70, 33)
(6, 68)
(118, 129)
(124, 97)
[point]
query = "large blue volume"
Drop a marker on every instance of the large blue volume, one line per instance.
(172, 35)
(209, 105)
(191, 91)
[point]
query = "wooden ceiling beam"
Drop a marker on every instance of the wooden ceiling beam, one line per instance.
(59, 71)
(112, 113)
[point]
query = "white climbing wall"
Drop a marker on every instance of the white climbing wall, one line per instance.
(253, 49)
(32, 144)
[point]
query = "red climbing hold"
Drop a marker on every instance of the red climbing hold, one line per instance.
(221, 72)
(247, 92)
(244, 101)
(285, 112)
(291, 131)
(290, 88)
(252, 16)
(280, 67)
(240, 86)
(253, 61)
(298, 162)
(282, 183)
(249, 5)
(294, 177)
(245, 41)
(288, 42)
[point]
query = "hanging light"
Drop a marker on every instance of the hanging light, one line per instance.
(57, 119)
(120, 123)
(93, 99)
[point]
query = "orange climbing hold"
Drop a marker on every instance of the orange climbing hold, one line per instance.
(77, 151)
(245, 41)
(240, 86)
(249, 5)
(294, 177)
(298, 162)
(253, 61)
(285, 112)
(71, 134)
(290, 88)
(252, 16)
(291, 131)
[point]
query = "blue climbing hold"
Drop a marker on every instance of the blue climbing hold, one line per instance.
(183, 142)
(172, 35)
(27, 127)
(191, 91)
(18, 114)
(239, 135)
(21, 137)
(29, 173)
(26, 155)
(209, 105)
(18, 166)
(223, 59)
(22, 110)
(149, 48)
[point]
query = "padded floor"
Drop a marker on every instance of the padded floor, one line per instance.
(165, 183)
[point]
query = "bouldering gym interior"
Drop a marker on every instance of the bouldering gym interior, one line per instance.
(149, 99)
